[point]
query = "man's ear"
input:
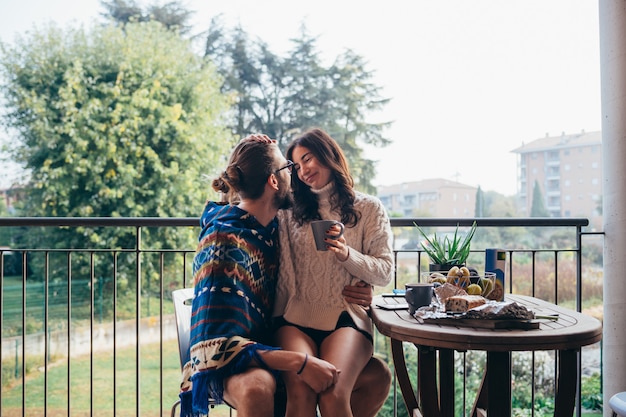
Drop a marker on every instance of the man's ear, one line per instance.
(272, 181)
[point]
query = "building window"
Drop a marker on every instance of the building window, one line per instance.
(553, 171)
(553, 156)
(552, 185)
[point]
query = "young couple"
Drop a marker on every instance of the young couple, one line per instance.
(314, 306)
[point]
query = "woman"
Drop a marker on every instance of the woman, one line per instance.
(312, 315)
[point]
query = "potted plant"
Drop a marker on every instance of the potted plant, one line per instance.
(445, 252)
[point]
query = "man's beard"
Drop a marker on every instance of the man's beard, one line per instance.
(284, 198)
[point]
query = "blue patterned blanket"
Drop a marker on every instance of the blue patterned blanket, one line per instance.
(235, 271)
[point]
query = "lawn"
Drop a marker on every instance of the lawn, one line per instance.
(97, 383)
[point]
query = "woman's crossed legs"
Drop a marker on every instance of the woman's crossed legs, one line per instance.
(346, 347)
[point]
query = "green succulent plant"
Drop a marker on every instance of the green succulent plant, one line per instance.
(447, 251)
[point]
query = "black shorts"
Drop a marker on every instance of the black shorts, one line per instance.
(318, 336)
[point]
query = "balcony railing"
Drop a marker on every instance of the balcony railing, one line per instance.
(90, 330)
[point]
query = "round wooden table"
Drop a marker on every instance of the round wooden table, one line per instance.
(435, 342)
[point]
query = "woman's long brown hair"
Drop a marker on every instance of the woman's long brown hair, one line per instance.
(328, 153)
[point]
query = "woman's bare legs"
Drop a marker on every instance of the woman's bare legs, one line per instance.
(349, 351)
(301, 399)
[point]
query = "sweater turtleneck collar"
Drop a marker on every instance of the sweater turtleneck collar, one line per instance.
(326, 191)
(323, 194)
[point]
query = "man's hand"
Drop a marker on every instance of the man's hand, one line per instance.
(361, 293)
(319, 374)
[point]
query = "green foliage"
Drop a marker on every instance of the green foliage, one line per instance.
(173, 15)
(283, 96)
(3, 207)
(446, 251)
(479, 208)
(112, 123)
(591, 392)
(538, 207)
(5, 232)
(498, 205)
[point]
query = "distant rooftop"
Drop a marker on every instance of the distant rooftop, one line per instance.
(562, 141)
(432, 184)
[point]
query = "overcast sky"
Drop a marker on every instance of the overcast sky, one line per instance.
(469, 80)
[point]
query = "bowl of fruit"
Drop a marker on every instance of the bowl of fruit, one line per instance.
(486, 283)
(465, 278)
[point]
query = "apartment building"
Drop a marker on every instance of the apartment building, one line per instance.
(568, 169)
(431, 198)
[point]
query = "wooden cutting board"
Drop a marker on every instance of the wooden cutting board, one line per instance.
(485, 323)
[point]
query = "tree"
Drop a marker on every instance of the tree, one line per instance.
(113, 122)
(172, 15)
(284, 96)
(4, 212)
(479, 209)
(538, 208)
(498, 205)
(5, 236)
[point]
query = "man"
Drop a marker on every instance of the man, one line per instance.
(235, 272)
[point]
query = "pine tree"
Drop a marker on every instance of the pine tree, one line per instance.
(538, 207)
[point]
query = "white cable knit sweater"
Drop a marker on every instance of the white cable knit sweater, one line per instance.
(310, 282)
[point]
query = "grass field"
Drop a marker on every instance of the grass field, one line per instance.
(107, 399)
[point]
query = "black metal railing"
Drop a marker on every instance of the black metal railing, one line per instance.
(111, 307)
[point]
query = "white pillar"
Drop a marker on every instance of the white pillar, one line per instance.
(612, 15)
